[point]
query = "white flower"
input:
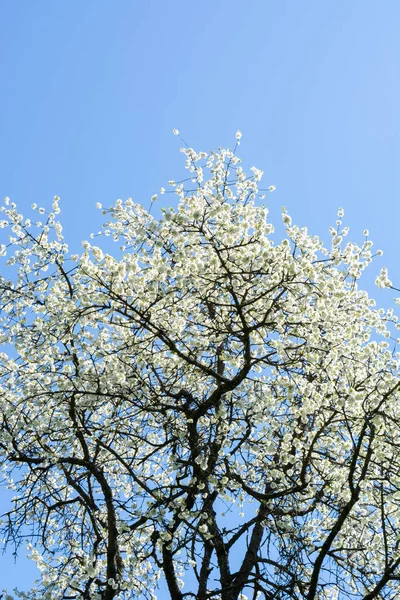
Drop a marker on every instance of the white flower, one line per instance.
(257, 173)
(272, 188)
(383, 280)
(286, 220)
(238, 134)
(154, 197)
(175, 131)
(366, 232)
(112, 583)
(99, 205)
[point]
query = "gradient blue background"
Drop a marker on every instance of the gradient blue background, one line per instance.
(90, 92)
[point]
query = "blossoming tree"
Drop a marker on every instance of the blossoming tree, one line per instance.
(205, 406)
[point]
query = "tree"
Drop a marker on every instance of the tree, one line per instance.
(205, 405)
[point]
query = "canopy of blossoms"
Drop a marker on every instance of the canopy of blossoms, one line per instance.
(205, 405)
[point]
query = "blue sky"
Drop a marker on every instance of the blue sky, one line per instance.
(90, 92)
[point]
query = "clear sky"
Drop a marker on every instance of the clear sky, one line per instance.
(90, 92)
